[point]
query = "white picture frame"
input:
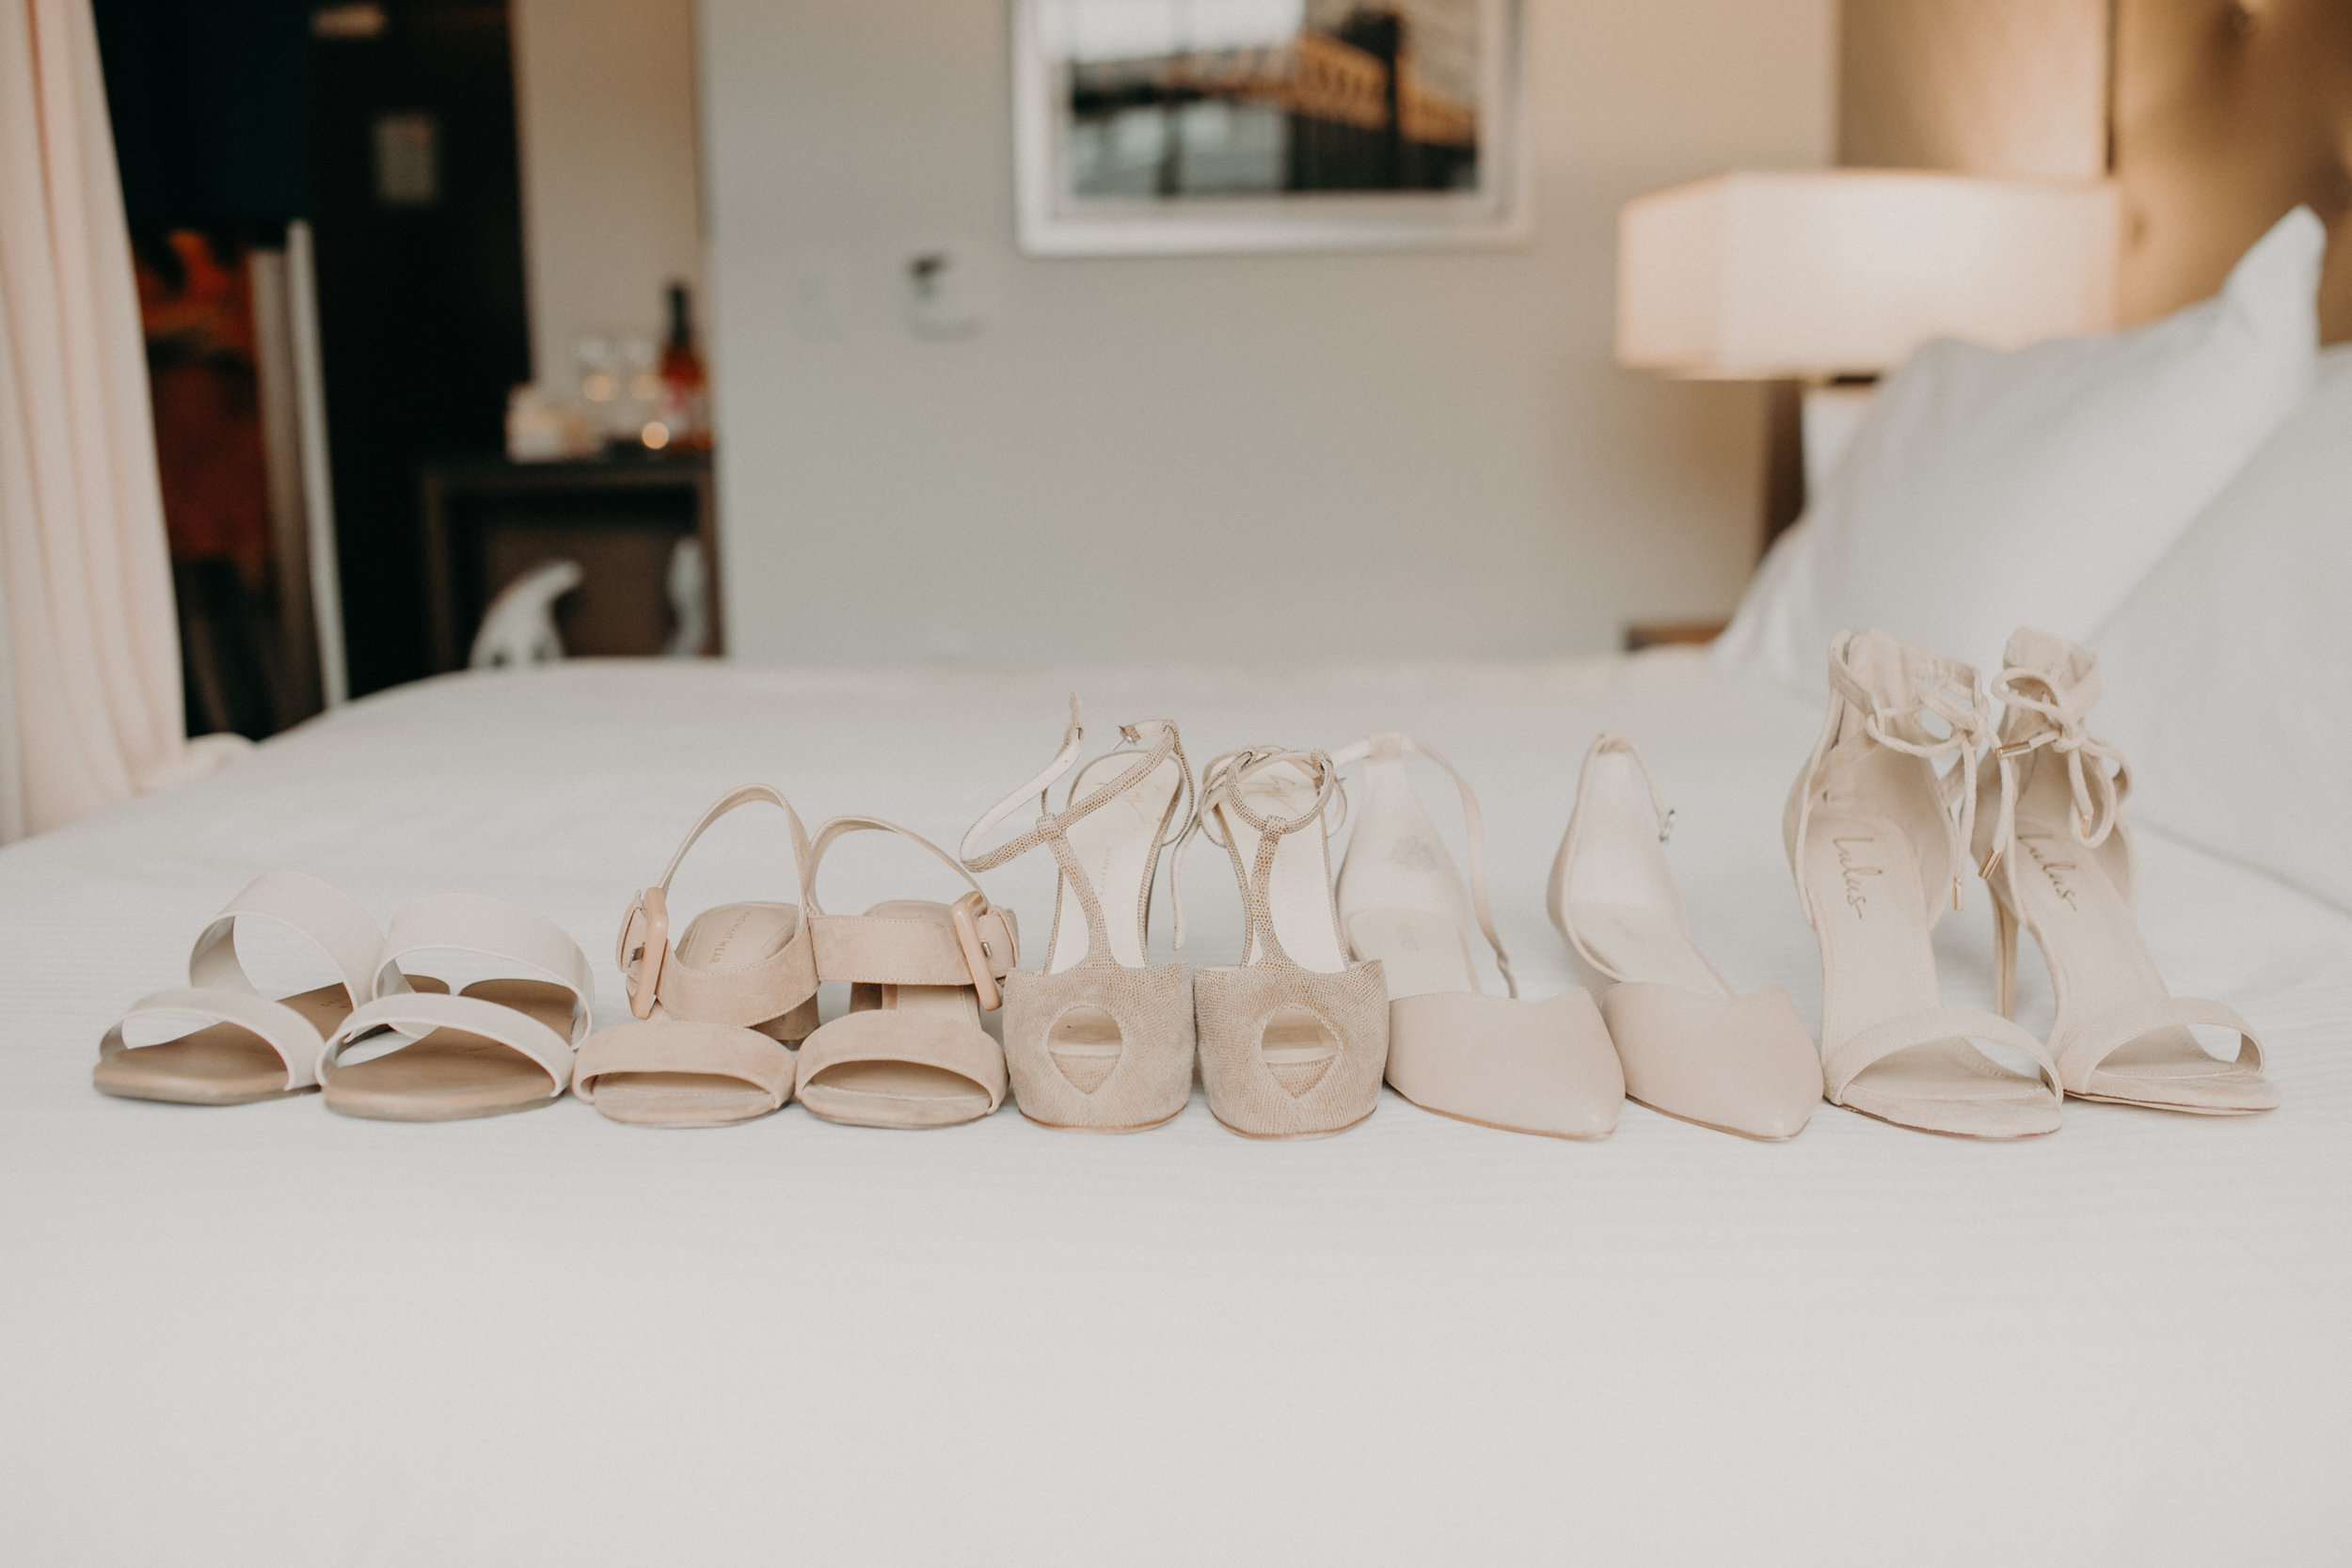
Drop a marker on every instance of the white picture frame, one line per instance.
(1055, 218)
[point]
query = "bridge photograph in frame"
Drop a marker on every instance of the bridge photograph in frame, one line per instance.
(1158, 127)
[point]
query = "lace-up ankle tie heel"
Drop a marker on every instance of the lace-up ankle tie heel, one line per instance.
(1876, 855)
(1099, 1039)
(1293, 1041)
(2054, 849)
(1524, 1066)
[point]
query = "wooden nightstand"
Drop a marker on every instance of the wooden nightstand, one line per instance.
(1659, 634)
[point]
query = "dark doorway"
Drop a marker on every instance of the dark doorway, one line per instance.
(417, 204)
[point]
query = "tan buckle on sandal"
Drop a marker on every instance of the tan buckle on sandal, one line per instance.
(966, 911)
(653, 908)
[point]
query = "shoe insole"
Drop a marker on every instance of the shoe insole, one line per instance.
(2100, 965)
(1118, 849)
(1620, 892)
(1420, 951)
(1298, 892)
(726, 936)
(887, 1093)
(1869, 911)
(449, 1075)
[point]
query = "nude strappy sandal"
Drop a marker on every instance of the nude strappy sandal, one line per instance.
(712, 1005)
(1691, 1047)
(2054, 849)
(1875, 852)
(253, 1048)
(1099, 1039)
(1295, 1039)
(498, 1046)
(911, 1052)
(1524, 1066)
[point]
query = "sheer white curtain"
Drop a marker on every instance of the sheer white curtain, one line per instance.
(89, 657)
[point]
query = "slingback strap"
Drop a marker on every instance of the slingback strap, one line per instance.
(1842, 1063)
(283, 1030)
(2085, 1048)
(320, 914)
(1609, 743)
(1946, 690)
(491, 928)
(679, 1045)
(1053, 828)
(419, 1013)
(1221, 784)
(1391, 743)
(755, 993)
(978, 945)
(2046, 707)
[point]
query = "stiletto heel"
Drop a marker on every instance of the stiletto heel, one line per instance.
(2004, 958)
(2051, 833)
(1874, 850)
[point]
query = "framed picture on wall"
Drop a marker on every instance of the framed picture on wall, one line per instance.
(1197, 126)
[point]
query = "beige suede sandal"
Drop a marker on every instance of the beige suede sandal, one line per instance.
(252, 1047)
(1875, 852)
(911, 1052)
(2053, 847)
(498, 1046)
(1691, 1047)
(1099, 1039)
(1293, 1041)
(1524, 1066)
(712, 1007)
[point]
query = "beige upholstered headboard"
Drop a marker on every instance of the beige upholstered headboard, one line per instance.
(2216, 116)
(2226, 113)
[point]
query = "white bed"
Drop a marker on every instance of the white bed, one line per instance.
(272, 1335)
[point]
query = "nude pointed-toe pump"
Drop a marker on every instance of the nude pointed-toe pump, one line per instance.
(1877, 857)
(2055, 852)
(1543, 1067)
(1099, 1039)
(1692, 1047)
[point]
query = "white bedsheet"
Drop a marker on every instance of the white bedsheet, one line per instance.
(272, 1335)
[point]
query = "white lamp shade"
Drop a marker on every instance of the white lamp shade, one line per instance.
(1846, 271)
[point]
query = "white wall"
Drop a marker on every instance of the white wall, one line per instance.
(1233, 459)
(604, 96)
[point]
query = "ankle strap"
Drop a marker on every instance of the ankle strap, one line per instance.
(1053, 828)
(2041, 709)
(1392, 743)
(650, 974)
(979, 946)
(1221, 783)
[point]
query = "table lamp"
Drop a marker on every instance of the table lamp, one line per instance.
(1819, 281)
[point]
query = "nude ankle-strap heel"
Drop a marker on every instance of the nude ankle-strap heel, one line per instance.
(1295, 1039)
(1876, 856)
(2055, 850)
(1099, 1039)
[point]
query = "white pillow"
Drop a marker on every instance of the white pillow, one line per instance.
(2227, 676)
(1988, 490)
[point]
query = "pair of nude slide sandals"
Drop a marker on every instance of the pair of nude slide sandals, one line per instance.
(1877, 847)
(500, 1044)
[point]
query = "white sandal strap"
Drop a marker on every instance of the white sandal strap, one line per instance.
(1849, 1058)
(492, 928)
(322, 914)
(421, 1012)
(1473, 824)
(2087, 1047)
(283, 1030)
